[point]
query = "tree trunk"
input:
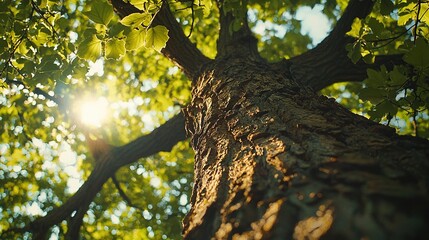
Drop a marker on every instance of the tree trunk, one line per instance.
(276, 161)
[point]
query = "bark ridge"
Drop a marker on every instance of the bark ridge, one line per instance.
(276, 161)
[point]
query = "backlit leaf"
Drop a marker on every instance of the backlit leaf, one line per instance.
(101, 12)
(115, 48)
(136, 19)
(406, 13)
(90, 48)
(156, 37)
(135, 39)
(138, 3)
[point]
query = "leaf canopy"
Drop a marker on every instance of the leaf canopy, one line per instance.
(53, 60)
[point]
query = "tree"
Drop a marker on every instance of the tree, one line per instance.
(274, 158)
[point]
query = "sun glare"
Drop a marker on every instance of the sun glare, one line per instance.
(93, 112)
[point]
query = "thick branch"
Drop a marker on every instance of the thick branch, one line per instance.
(161, 139)
(179, 48)
(75, 222)
(355, 9)
(328, 63)
(237, 43)
(322, 70)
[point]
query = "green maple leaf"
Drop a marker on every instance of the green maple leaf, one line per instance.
(418, 56)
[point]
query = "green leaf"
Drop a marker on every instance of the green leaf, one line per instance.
(41, 38)
(375, 25)
(424, 9)
(376, 78)
(356, 27)
(369, 58)
(405, 13)
(90, 48)
(156, 37)
(207, 7)
(376, 115)
(419, 55)
(397, 78)
(140, 4)
(101, 12)
(236, 25)
(354, 52)
(48, 65)
(115, 48)
(386, 7)
(371, 94)
(29, 66)
(136, 19)
(135, 39)
(387, 108)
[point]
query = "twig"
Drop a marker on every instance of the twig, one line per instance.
(193, 19)
(389, 40)
(417, 20)
(123, 194)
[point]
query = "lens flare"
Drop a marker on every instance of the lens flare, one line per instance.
(93, 112)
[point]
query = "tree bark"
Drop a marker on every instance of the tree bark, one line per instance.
(276, 161)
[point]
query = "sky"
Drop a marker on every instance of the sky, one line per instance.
(314, 22)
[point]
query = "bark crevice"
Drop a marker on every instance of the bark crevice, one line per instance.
(298, 157)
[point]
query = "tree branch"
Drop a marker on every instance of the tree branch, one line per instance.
(161, 139)
(123, 194)
(179, 48)
(355, 9)
(235, 42)
(328, 73)
(240, 42)
(75, 222)
(328, 62)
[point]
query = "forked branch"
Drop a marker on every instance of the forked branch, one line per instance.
(328, 62)
(161, 139)
(235, 36)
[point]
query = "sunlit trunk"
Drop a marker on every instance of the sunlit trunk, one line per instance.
(276, 161)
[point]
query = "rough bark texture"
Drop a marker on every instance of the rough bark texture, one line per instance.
(276, 161)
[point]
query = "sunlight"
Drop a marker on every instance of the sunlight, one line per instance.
(96, 68)
(93, 112)
(314, 22)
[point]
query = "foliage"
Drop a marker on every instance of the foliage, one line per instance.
(48, 58)
(399, 97)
